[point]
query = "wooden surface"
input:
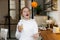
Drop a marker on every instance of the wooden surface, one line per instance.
(49, 35)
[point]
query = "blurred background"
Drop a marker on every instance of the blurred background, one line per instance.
(10, 13)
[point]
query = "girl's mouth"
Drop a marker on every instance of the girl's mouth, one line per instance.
(27, 15)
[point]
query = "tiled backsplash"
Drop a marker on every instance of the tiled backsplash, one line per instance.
(41, 20)
(55, 15)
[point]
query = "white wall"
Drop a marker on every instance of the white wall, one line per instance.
(56, 14)
(58, 3)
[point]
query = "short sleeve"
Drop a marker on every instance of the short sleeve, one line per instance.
(18, 34)
(35, 27)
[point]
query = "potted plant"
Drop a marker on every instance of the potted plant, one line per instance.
(37, 8)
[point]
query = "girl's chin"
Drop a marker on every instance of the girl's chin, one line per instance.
(27, 17)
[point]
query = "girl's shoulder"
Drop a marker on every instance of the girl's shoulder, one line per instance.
(20, 21)
(33, 20)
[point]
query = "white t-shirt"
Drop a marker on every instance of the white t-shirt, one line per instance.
(29, 29)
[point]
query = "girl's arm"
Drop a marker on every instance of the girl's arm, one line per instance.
(18, 33)
(36, 34)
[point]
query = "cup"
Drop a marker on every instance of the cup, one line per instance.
(20, 28)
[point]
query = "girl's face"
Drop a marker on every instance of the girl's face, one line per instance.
(26, 13)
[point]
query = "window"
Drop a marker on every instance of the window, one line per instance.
(22, 3)
(12, 9)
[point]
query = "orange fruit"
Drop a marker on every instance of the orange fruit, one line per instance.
(34, 4)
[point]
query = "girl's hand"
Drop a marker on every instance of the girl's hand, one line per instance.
(35, 36)
(20, 28)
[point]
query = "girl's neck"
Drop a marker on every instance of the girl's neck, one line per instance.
(26, 18)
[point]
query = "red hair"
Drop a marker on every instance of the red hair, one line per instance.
(23, 9)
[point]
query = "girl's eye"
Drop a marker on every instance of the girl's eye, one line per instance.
(23, 11)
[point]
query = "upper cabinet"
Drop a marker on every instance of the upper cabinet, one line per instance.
(51, 5)
(54, 2)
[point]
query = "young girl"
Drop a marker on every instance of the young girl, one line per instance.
(27, 28)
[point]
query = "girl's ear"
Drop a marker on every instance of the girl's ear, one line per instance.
(22, 15)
